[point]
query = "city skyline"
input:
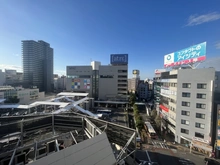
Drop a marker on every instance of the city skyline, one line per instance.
(85, 31)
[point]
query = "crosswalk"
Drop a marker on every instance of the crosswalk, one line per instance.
(159, 144)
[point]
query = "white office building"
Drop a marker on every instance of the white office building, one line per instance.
(186, 104)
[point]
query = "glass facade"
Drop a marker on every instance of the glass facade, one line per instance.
(95, 84)
(37, 64)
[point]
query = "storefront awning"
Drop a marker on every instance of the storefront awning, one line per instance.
(164, 108)
(189, 140)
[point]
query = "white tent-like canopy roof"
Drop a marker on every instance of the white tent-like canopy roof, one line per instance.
(72, 94)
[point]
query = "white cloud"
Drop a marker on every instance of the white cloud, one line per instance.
(17, 55)
(60, 72)
(200, 19)
(13, 67)
(217, 45)
(19, 69)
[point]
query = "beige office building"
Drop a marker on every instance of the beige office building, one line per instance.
(102, 82)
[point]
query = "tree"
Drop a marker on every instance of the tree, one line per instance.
(158, 121)
(136, 114)
(153, 114)
(139, 124)
(132, 99)
(135, 107)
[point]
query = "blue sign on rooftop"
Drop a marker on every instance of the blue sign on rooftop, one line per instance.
(119, 59)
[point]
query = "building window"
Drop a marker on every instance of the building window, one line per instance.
(199, 135)
(199, 125)
(106, 76)
(201, 86)
(200, 96)
(186, 131)
(172, 101)
(122, 71)
(186, 85)
(186, 113)
(185, 94)
(216, 77)
(199, 105)
(186, 122)
(122, 76)
(185, 104)
(200, 115)
(172, 109)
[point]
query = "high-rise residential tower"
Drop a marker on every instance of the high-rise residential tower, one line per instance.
(38, 64)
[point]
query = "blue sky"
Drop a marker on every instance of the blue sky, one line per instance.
(85, 30)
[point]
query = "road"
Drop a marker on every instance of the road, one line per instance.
(159, 144)
(119, 117)
(164, 153)
(168, 156)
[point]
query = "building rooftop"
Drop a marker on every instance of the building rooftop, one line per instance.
(72, 94)
(41, 140)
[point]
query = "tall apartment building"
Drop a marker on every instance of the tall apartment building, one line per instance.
(186, 104)
(38, 64)
(102, 82)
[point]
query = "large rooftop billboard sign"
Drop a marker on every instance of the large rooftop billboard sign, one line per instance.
(185, 56)
(119, 59)
(159, 71)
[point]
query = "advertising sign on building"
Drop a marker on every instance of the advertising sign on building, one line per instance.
(185, 56)
(86, 83)
(119, 59)
(159, 71)
(163, 108)
(167, 92)
(76, 83)
(165, 80)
